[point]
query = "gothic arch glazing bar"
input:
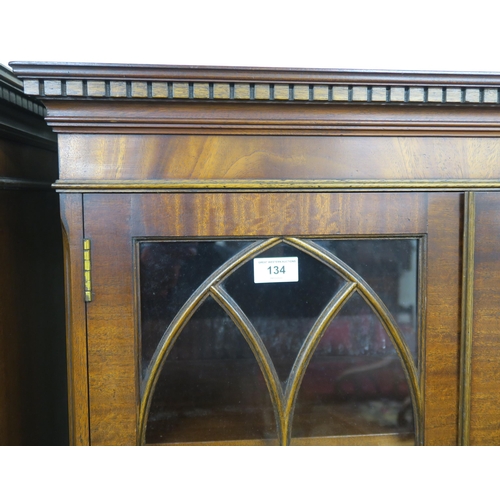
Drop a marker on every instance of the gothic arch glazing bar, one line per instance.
(306, 352)
(283, 400)
(383, 314)
(180, 320)
(259, 350)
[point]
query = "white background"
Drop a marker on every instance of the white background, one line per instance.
(351, 34)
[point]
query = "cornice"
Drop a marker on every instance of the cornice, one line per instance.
(263, 85)
(22, 117)
(11, 91)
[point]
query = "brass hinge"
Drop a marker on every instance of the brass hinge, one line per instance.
(87, 270)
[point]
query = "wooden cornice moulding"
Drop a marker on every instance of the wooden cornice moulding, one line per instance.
(21, 116)
(11, 91)
(73, 81)
(145, 99)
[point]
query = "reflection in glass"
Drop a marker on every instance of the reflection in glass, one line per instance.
(355, 383)
(211, 387)
(170, 271)
(283, 313)
(390, 267)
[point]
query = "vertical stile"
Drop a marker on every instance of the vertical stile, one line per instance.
(467, 319)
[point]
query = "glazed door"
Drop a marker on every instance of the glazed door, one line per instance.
(274, 318)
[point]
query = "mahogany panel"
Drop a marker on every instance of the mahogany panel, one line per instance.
(485, 404)
(442, 341)
(112, 363)
(76, 331)
(140, 157)
(271, 214)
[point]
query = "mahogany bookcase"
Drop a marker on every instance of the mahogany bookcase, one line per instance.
(378, 191)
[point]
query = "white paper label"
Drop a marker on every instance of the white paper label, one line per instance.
(276, 270)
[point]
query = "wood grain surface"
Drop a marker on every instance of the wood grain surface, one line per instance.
(485, 405)
(76, 324)
(141, 157)
(112, 359)
(442, 340)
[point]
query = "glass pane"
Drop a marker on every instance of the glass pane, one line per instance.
(355, 383)
(283, 313)
(170, 271)
(211, 387)
(390, 267)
